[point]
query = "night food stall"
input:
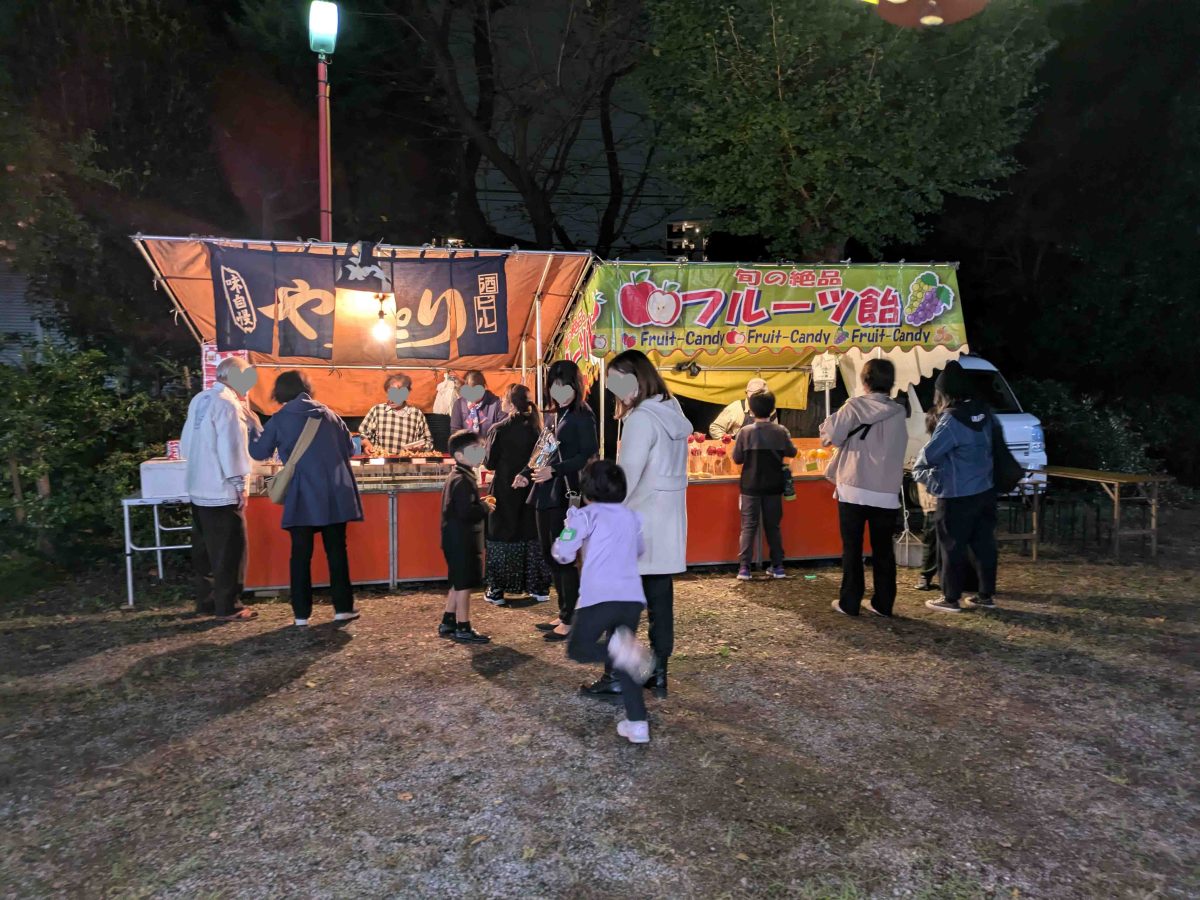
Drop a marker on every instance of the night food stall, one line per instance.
(710, 327)
(346, 315)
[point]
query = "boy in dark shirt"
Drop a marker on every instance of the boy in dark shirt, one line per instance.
(762, 449)
(463, 514)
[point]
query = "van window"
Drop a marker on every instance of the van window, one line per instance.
(990, 387)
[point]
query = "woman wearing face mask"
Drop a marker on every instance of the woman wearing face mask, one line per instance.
(575, 427)
(514, 557)
(653, 455)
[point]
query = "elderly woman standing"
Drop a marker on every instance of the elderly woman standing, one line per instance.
(322, 495)
(653, 455)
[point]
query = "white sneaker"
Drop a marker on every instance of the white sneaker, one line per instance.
(301, 623)
(630, 656)
(346, 617)
(634, 732)
(541, 598)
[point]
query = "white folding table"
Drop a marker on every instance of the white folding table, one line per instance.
(154, 503)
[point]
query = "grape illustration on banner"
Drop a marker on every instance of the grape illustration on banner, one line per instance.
(927, 299)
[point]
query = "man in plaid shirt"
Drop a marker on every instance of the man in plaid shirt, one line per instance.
(394, 427)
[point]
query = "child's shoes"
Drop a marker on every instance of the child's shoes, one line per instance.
(634, 732)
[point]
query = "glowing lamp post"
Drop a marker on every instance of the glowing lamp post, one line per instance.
(322, 39)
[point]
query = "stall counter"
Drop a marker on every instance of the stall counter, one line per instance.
(399, 538)
(810, 522)
(269, 547)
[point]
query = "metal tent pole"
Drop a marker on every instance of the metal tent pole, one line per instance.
(603, 385)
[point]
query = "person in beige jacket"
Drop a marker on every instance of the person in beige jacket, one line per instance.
(868, 470)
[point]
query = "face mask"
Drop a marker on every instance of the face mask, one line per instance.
(242, 381)
(472, 393)
(473, 456)
(398, 395)
(562, 394)
(623, 385)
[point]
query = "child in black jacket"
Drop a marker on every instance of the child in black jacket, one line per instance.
(762, 450)
(463, 514)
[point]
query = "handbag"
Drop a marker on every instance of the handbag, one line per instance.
(277, 484)
(1006, 471)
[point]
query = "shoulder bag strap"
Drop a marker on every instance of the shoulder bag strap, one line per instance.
(306, 438)
(861, 430)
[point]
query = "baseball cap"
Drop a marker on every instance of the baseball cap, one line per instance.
(756, 386)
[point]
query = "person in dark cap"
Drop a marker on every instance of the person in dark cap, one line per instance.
(956, 467)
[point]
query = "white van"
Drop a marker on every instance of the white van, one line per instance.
(1022, 431)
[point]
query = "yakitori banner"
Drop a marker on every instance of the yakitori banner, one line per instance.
(264, 296)
(668, 308)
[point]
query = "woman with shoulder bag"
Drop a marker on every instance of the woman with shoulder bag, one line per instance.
(653, 455)
(321, 495)
(556, 484)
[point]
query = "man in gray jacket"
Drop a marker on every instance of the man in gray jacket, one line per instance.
(870, 435)
(214, 443)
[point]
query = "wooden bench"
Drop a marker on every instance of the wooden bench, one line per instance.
(1145, 485)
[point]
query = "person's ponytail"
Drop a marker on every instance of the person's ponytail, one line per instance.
(523, 405)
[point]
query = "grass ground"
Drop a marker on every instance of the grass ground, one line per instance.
(1048, 749)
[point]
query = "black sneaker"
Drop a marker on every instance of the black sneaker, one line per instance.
(446, 629)
(469, 636)
(605, 687)
(980, 602)
(925, 584)
(943, 605)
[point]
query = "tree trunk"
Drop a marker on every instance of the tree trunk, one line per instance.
(43, 491)
(14, 472)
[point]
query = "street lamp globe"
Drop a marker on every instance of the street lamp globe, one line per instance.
(322, 27)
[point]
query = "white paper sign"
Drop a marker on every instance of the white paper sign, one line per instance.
(824, 372)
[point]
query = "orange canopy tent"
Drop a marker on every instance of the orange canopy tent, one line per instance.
(540, 287)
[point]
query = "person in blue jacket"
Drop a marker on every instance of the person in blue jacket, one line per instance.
(956, 467)
(322, 495)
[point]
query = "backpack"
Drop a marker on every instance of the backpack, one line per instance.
(1006, 471)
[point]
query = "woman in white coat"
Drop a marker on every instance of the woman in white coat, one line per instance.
(653, 454)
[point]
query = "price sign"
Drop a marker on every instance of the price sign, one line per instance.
(824, 372)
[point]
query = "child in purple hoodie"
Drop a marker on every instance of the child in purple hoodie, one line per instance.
(608, 536)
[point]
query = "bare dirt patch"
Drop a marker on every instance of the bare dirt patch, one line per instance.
(1048, 749)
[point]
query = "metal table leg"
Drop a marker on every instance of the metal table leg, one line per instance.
(158, 541)
(128, 557)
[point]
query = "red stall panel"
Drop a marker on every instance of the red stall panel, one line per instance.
(419, 536)
(810, 522)
(270, 547)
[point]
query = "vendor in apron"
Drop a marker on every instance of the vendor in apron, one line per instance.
(737, 414)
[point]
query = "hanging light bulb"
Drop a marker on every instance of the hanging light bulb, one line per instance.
(382, 329)
(932, 17)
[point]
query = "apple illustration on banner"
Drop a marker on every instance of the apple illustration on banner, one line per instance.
(736, 338)
(642, 302)
(628, 341)
(663, 307)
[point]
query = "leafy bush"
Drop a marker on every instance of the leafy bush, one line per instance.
(1083, 433)
(71, 442)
